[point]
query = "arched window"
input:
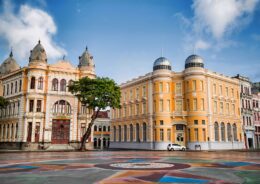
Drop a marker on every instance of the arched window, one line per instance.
(137, 133)
(131, 133)
(55, 84)
(63, 85)
(229, 135)
(120, 133)
(223, 132)
(99, 128)
(95, 128)
(40, 83)
(32, 86)
(216, 129)
(62, 107)
(235, 132)
(16, 87)
(104, 128)
(125, 133)
(144, 132)
(108, 129)
(11, 131)
(114, 134)
(16, 131)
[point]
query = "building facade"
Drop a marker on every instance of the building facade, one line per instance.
(42, 112)
(247, 111)
(101, 131)
(256, 112)
(197, 108)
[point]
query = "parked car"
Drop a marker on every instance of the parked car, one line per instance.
(172, 147)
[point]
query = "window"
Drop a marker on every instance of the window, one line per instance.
(233, 108)
(202, 85)
(40, 83)
(216, 130)
(144, 132)
(235, 132)
(214, 89)
(131, 133)
(215, 107)
(178, 88)
(61, 107)
(32, 86)
(161, 122)
(223, 133)
(179, 127)
(194, 104)
(188, 104)
(168, 134)
(220, 90)
(12, 86)
(144, 108)
(202, 104)
(160, 87)
(31, 103)
(194, 87)
(144, 91)
(167, 87)
(178, 105)
(227, 108)
(196, 122)
(63, 85)
(20, 86)
(95, 128)
(226, 91)
(119, 133)
(125, 133)
(4, 91)
(161, 135)
(39, 106)
(114, 134)
(16, 87)
(204, 134)
(203, 122)
(125, 112)
(137, 133)
(136, 109)
(7, 92)
(196, 130)
(168, 105)
(161, 106)
(124, 96)
(229, 132)
(137, 93)
(154, 106)
(221, 107)
(55, 84)
(232, 92)
(131, 95)
(131, 109)
(189, 135)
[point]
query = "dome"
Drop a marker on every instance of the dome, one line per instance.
(9, 65)
(194, 61)
(86, 59)
(38, 53)
(162, 63)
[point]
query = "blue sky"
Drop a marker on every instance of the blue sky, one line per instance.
(126, 36)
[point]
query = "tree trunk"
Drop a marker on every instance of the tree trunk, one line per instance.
(88, 132)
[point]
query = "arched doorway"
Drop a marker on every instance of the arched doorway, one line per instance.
(95, 142)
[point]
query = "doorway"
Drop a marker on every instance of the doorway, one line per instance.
(60, 131)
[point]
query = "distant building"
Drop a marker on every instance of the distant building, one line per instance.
(101, 131)
(42, 112)
(247, 110)
(196, 107)
(256, 117)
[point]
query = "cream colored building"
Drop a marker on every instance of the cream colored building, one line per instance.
(42, 112)
(196, 107)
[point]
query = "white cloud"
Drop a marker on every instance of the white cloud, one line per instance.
(23, 30)
(219, 17)
(201, 45)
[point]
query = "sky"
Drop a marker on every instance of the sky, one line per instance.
(125, 37)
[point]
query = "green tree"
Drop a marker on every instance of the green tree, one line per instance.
(95, 94)
(3, 102)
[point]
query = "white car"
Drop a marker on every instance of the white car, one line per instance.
(172, 147)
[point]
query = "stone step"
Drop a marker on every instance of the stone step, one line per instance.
(53, 147)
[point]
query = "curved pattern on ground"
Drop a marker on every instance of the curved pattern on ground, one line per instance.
(143, 165)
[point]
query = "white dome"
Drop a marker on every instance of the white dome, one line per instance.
(38, 53)
(162, 63)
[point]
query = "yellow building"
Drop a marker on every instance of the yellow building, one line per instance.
(197, 108)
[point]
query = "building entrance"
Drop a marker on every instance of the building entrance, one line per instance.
(60, 131)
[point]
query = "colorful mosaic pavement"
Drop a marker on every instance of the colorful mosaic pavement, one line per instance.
(130, 167)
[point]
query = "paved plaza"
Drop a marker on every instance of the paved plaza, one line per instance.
(130, 167)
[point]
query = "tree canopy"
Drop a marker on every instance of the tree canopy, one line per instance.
(3, 102)
(98, 93)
